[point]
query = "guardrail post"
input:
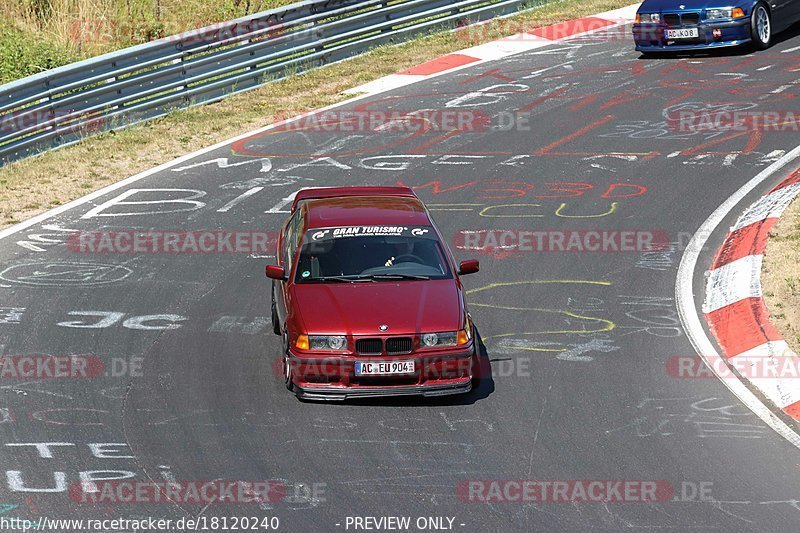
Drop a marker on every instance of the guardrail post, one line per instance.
(387, 17)
(317, 34)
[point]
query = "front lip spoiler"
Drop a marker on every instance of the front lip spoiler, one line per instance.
(341, 393)
(692, 47)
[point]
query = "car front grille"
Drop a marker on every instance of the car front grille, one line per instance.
(398, 345)
(394, 346)
(672, 20)
(676, 20)
(690, 18)
(369, 346)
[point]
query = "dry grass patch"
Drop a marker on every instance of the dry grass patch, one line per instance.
(30, 186)
(780, 275)
(92, 27)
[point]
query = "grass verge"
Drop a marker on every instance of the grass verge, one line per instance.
(780, 275)
(33, 185)
(23, 54)
(84, 28)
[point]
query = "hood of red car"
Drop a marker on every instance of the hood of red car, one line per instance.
(406, 307)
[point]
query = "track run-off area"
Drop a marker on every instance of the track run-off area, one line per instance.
(582, 339)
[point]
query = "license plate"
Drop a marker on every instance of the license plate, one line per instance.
(686, 33)
(389, 368)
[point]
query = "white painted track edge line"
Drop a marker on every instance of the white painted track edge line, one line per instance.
(687, 310)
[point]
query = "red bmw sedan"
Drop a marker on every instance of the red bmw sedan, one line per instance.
(367, 298)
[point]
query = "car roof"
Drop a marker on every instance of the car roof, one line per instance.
(365, 211)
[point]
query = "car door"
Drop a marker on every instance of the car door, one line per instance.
(285, 260)
(292, 239)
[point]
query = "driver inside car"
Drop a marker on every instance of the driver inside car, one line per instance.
(402, 250)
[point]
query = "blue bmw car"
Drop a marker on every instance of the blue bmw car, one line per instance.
(685, 25)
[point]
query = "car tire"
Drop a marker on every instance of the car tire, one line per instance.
(286, 366)
(287, 374)
(276, 327)
(761, 27)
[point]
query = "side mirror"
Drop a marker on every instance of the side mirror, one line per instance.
(276, 272)
(469, 267)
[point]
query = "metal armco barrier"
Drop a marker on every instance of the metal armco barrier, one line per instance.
(63, 105)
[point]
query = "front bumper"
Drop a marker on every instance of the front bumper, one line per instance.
(345, 393)
(437, 373)
(652, 37)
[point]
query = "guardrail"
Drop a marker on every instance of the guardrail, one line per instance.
(63, 105)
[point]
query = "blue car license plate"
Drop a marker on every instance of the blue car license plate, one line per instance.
(683, 33)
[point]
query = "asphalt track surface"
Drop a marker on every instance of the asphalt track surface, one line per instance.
(578, 343)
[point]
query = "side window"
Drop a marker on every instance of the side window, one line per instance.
(298, 231)
(292, 239)
(288, 239)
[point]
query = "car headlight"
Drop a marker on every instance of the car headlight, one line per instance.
(720, 13)
(648, 17)
(724, 13)
(447, 338)
(327, 342)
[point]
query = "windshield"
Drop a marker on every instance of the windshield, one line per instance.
(373, 253)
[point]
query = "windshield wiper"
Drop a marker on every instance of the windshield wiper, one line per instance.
(393, 276)
(339, 279)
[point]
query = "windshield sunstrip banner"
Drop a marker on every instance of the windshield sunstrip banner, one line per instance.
(370, 231)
